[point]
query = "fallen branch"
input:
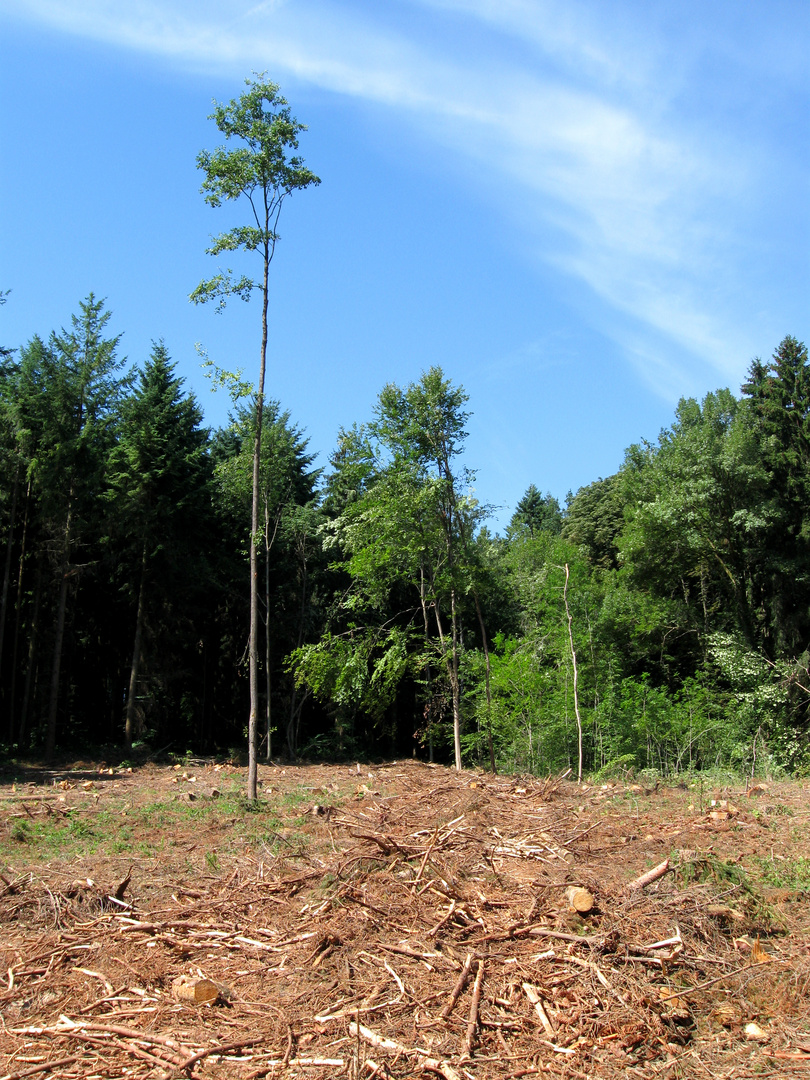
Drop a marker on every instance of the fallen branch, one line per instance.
(458, 988)
(224, 1048)
(46, 1066)
(648, 878)
(472, 1025)
(66, 1026)
(425, 858)
(533, 996)
(687, 992)
(424, 1060)
(446, 919)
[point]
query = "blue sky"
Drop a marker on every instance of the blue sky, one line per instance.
(581, 210)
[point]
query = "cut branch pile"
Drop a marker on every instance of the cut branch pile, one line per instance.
(457, 928)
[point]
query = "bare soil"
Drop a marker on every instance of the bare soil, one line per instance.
(398, 921)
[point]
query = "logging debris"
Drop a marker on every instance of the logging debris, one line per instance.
(431, 923)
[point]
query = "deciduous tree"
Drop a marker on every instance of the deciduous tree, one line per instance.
(261, 169)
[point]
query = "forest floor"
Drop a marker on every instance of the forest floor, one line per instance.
(398, 921)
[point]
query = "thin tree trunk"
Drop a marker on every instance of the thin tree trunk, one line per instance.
(450, 662)
(53, 701)
(294, 726)
(32, 652)
(253, 768)
(18, 608)
(267, 680)
(488, 671)
(50, 738)
(455, 682)
(574, 664)
(423, 600)
(129, 727)
(6, 579)
(444, 466)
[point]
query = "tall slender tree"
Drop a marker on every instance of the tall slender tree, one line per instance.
(263, 170)
(424, 429)
(80, 392)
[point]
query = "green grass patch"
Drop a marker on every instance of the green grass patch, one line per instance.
(51, 837)
(227, 825)
(785, 873)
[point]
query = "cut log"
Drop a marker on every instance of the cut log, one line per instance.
(648, 878)
(197, 991)
(580, 899)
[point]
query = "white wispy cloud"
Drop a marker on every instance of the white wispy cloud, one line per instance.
(577, 123)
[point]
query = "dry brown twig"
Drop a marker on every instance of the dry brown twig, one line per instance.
(472, 1025)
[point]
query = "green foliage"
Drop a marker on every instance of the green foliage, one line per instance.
(158, 491)
(356, 672)
(389, 614)
(531, 719)
(536, 513)
(262, 169)
(403, 537)
(784, 872)
(286, 479)
(594, 520)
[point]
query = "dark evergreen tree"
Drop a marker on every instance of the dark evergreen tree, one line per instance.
(74, 405)
(159, 497)
(536, 513)
(779, 393)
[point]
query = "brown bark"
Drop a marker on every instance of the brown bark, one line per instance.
(50, 738)
(18, 609)
(648, 878)
(576, 677)
(253, 769)
(30, 666)
(488, 672)
(7, 578)
(267, 674)
(129, 727)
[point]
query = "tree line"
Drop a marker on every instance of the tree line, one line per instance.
(660, 619)
(161, 581)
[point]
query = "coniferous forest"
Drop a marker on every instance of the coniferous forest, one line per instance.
(659, 620)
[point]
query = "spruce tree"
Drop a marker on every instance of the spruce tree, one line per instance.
(159, 496)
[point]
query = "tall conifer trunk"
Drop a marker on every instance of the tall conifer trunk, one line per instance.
(488, 676)
(6, 579)
(18, 609)
(53, 703)
(31, 664)
(129, 724)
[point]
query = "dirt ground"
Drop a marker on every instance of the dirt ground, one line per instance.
(399, 921)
